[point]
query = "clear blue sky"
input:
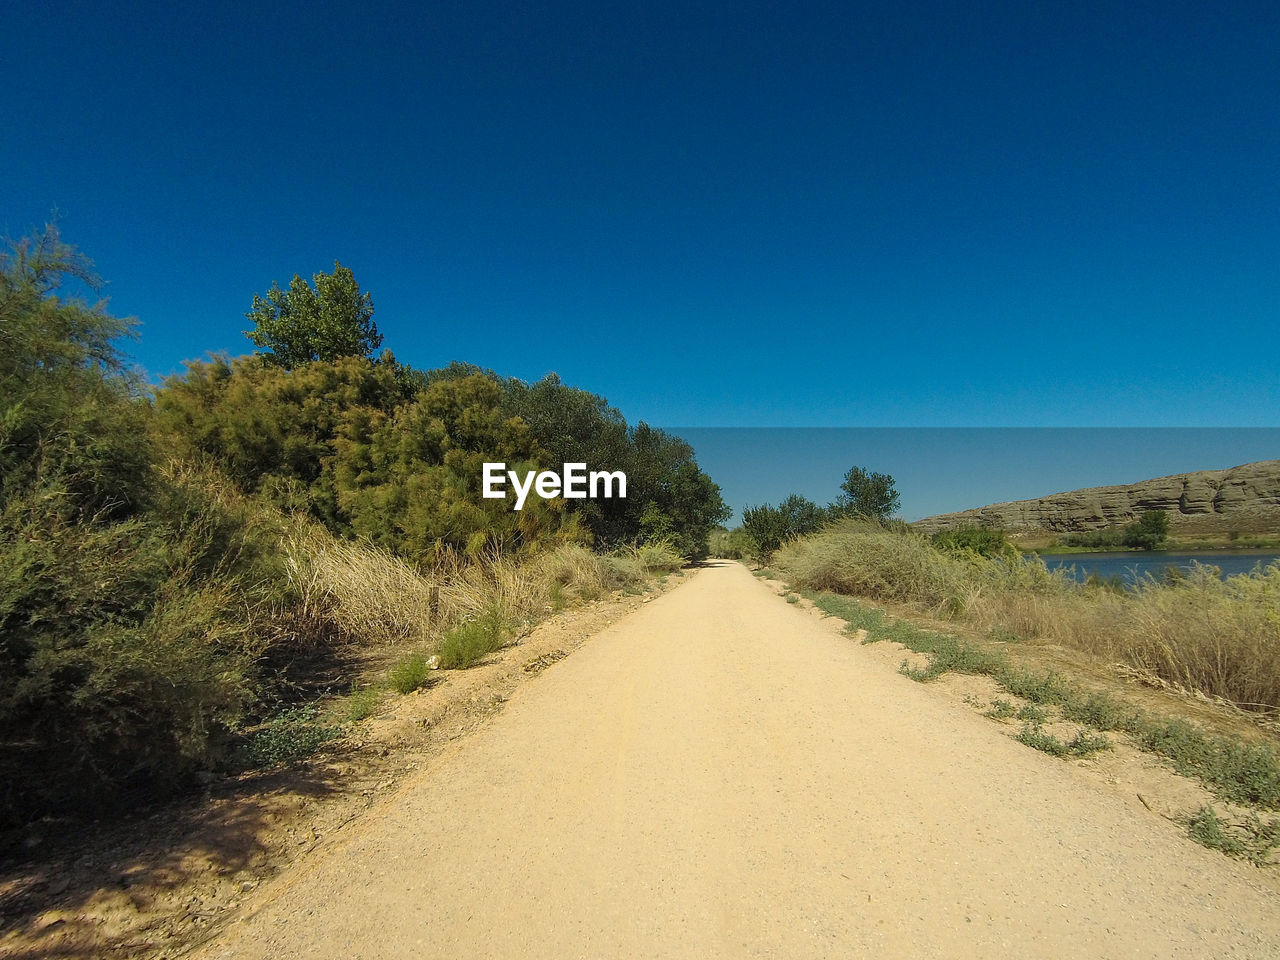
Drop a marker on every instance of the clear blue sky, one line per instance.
(743, 214)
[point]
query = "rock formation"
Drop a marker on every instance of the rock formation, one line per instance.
(1244, 499)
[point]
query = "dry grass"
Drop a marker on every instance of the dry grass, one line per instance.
(370, 596)
(1219, 637)
(366, 593)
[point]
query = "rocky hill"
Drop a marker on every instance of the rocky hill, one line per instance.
(1243, 499)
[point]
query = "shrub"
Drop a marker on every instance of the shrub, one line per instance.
(1148, 531)
(409, 673)
(471, 641)
(983, 541)
(288, 737)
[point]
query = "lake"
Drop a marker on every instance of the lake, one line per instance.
(1132, 566)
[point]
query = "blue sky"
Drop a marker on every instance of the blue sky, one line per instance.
(941, 469)
(747, 214)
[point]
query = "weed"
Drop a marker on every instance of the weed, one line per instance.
(1002, 710)
(1081, 745)
(409, 673)
(792, 598)
(1099, 711)
(1254, 839)
(1000, 635)
(362, 702)
(1038, 688)
(287, 737)
(1033, 714)
(470, 642)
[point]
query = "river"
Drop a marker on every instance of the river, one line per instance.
(1131, 566)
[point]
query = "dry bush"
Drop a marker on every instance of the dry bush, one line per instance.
(366, 593)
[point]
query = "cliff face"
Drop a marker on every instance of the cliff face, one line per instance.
(1244, 498)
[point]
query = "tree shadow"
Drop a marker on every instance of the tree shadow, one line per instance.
(89, 889)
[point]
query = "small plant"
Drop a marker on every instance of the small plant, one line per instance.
(409, 674)
(1252, 840)
(792, 598)
(1002, 710)
(1038, 688)
(1033, 714)
(287, 737)
(1081, 745)
(362, 703)
(1000, 635)
(1098, 711)
(472, 641)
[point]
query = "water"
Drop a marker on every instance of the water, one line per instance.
(1132, 566)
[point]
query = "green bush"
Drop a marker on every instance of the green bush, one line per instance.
(287, 737)
(409, 673)
(138, 600)
(1148, 531)
(472, 641)
(983, 541)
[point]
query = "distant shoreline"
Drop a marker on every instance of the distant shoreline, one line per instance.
(1261, 544)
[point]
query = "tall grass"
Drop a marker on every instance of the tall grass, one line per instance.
(1220, 637)
(463, 608)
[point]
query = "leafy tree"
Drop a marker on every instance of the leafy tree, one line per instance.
(867, 494)
(330, 320)
(770, 527)
(67, 425)
(1148, 531)
(275, 431)
(416, 484)
(668, 495)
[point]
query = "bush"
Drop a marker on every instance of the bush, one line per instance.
(288, 737)
(1200, 632)
(983, 541)
(409, 674)
(472, 641)
(1148, 531)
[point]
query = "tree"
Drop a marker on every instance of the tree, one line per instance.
(333, 319)
(867, 494)
(1148, 531)
(769, 527)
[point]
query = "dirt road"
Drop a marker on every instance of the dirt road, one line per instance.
(722, 775)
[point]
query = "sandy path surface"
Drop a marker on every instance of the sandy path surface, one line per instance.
(721, 775)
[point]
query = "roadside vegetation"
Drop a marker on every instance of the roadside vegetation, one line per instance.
(175, 561)
(1199, 632)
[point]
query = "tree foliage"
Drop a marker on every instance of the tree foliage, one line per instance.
(769, 527)
(1148, 531)
(867, 494)
(327, 321)
(135, 599)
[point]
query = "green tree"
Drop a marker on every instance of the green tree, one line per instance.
(136, 598)
(668, 495)
(330, 320)
(1148, 531)
(867, 494)
(769, 527)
